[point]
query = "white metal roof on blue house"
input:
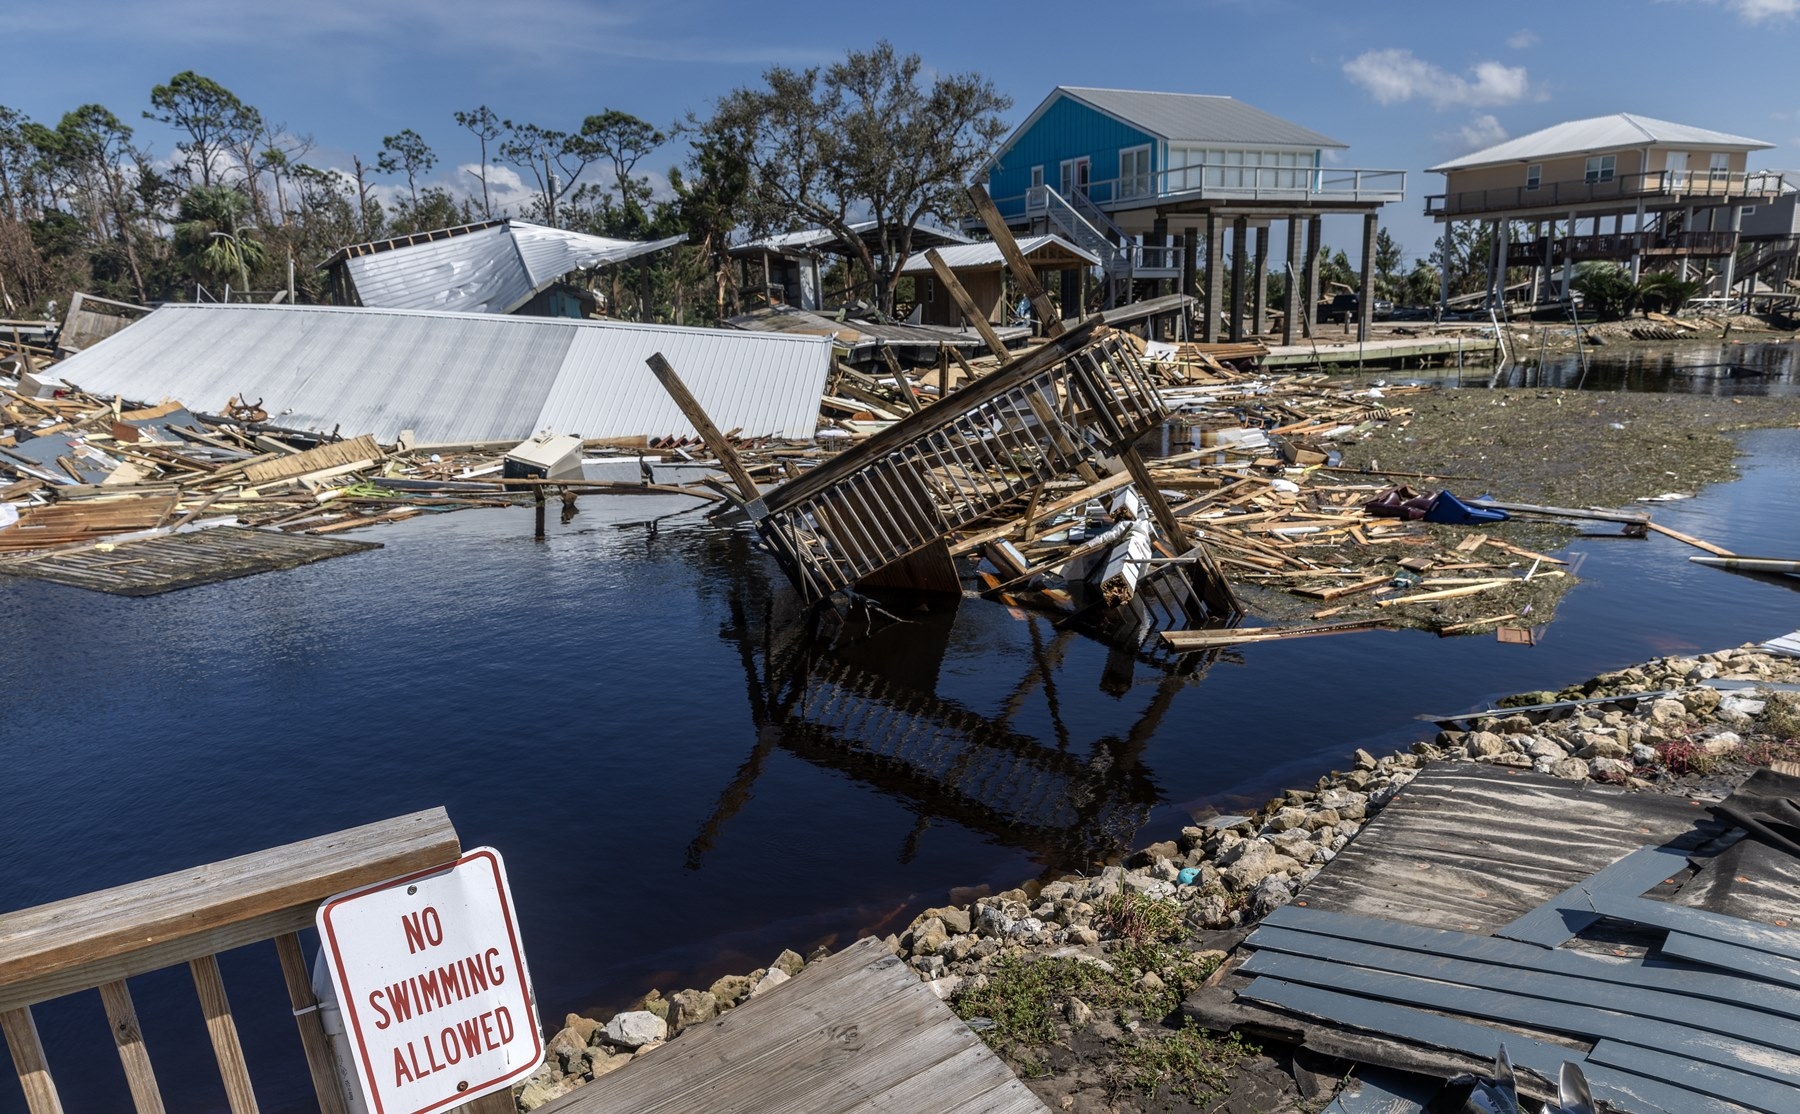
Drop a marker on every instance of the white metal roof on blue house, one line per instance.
(495, 269)
(453, 377)
(1620, 131)
(987, 254)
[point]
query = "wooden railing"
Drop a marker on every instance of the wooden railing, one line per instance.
(99, 940)
(1719, 187)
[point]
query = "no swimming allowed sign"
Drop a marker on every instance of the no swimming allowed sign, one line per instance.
(430, 976)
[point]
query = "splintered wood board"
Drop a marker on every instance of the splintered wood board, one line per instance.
(151, 566)
(334, 455)
(854, 1032)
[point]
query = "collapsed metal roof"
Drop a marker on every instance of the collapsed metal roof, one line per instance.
(454, 377)
(491, 268)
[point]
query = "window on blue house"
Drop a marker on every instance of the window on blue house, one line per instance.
(1134, 172)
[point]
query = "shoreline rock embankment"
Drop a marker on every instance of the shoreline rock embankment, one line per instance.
(1147, 927)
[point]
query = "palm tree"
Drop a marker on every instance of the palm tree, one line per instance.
(209, 236)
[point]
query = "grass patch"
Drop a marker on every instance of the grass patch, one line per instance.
(1192, 1063)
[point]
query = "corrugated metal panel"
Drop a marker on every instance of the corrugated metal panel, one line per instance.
(1196, 117)
(987, 254)
(1599, 133)
(479, 272)
(551, 253)
(767, 389)
(454, 377)
(492, 270)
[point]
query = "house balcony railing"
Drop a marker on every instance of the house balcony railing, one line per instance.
(1673, 185)
(1226, 183)
(1620, 246)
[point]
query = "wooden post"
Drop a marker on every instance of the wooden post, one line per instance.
(695, 413)
(28, 1059)
(967, 304)
(1240, 277)
(1166, 521)
(1365, 302)
(1259, 282)
(223, 1030)
(1022, 271)
(1290, 303)
(129, 1038)
(943, 371)
(537, 497)
(306, 1018)
(900, 381)
(1215, 276)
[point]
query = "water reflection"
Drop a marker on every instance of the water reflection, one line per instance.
(858, 694)
(1720, 370)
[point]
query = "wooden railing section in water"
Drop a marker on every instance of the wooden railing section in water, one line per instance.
(99, 940)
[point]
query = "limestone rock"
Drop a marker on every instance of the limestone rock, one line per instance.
(636, 1028)
(776, 976)
(791, 963)
(730, 990)
(691, 1007)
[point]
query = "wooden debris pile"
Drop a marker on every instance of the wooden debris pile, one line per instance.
(76, 470)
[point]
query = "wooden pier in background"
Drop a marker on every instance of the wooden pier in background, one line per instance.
(857, 1031)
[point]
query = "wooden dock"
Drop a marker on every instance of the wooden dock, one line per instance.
(855, 1032)
(1339, 355)
(150, 566)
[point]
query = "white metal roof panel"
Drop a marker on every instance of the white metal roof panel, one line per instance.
(1619, 131)
(768, 389)
(987, 254)
(1200, 118)
(454, 377)
(490, 270)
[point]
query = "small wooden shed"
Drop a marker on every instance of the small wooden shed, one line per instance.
(982, 271)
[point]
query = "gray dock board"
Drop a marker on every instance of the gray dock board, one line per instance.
(1676, 1041)
(1673, 978)
(856, 1031)
(1773, 939)
(1758, 1094)
(1472, 847)
(1631, 1091)
(1732, 957)
(1562, 918)
(1748, 1025)
(150, 566)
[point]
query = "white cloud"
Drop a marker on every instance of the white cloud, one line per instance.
(1761, 11)
(1522, 39)
(1482, 131)
(1393, 76)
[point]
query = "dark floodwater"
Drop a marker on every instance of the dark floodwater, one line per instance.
(1722, 370)
(684, 776)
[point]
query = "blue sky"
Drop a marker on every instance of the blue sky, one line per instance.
(1405, 84)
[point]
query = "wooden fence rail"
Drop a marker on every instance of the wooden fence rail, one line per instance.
(99, 940)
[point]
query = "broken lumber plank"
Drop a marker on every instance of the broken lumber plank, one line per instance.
(318, 459)
(1446, 594)
(1190, 640)
(1689, 539)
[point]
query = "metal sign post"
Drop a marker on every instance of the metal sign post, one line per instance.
(430, 975)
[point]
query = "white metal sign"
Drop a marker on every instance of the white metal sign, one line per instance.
(430, 976)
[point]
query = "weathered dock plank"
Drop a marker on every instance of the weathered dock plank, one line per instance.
(149, 566)
(1472, 847)
(855, 1032)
